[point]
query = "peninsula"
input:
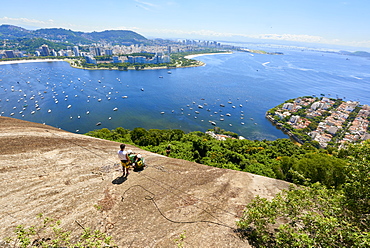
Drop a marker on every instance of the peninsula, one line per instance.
(322, 121)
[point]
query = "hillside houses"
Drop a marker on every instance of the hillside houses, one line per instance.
(331, 121)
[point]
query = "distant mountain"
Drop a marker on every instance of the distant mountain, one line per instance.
(12, 32)
(68, 36)
(357, 53)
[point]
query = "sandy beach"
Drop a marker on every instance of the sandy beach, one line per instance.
(28, 61)
(203, 54)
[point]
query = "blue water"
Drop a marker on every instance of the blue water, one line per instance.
(257, 82)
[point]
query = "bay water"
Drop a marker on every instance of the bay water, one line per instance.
(232, 91)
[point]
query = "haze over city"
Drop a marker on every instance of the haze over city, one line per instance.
(327, 22)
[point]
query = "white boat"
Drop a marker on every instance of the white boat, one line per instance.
(69, 106)
(115, 109)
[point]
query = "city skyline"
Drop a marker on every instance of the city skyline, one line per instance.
(326, 22)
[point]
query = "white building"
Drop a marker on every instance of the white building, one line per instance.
(76, 52)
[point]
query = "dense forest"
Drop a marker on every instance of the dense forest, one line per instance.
(327, 206)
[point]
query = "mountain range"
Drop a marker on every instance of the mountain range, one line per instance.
(121, 37)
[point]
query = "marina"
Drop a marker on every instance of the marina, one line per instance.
(224, 93)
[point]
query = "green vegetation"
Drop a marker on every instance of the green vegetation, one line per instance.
(280, 159)
(329, 208)
(314, 215)
(61, 35)
(180, 241)
(49, 233)
(30, 45)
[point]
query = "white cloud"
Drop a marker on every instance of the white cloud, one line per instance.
(145, 5)
(289, 37)
(25, 21)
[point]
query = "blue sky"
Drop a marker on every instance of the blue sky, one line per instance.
(341, 22)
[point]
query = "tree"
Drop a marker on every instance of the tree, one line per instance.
(302, 217)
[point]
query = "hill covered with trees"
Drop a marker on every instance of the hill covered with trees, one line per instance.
(120, 37)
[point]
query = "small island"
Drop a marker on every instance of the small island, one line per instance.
(322, 121)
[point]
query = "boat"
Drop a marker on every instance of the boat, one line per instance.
(162, 113)
(49, 111)
(213, 123)
(142, 89)
(98, 124)
(228, 114)
(115, 109)
(69, 106)
(169, 72)
(200, 106)
(222, 105)
(124, 97)
(160, 76)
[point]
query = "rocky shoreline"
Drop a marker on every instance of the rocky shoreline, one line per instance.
(284, 129)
